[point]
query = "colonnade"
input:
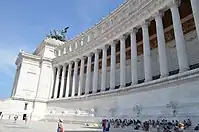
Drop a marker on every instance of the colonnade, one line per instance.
(77, 85)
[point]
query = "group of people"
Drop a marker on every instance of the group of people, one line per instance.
(151, 125)
(148, 125)
(106, 125)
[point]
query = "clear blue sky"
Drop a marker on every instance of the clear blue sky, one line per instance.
(24, 24)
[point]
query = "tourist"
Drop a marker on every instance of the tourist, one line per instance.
(1, 116)
(197, 127)
(60, 126)
(15, 118)
(26, 119)
(105, 125)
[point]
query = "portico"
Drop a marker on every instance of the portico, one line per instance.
(98, 63)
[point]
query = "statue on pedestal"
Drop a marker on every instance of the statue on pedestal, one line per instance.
(58, 35)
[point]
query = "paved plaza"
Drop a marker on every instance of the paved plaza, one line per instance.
(20, 126)
(40, 126)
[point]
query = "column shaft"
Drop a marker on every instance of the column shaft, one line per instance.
(122, 62)
(179, 38)
(164, 71)
(81, 82)
(88, 75)
(54, 82)
(75, 78)
(96, 72)
(113, 65)
(62, 82)
(68, 85)
(57, 82)
(134, 76)
(147, 53)
(104, 69)
(195, 9)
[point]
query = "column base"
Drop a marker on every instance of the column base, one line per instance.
(134, 83)
(94, 92)
(183, 70)
(111, 88)
(122, 86)
(164, 75)
(147, 80)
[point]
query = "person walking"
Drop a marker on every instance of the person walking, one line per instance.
(105, 125)
(26, 119)
(15, 118)
(60, 126)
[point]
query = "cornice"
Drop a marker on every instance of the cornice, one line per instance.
(29, 56)
(48, 41)
(24, 55)
(29, 100)
(132, 19)
(95, 26)
(192, 74)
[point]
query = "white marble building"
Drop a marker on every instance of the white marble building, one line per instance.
(141, 61)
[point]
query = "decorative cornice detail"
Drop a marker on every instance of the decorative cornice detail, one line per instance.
(29, 56)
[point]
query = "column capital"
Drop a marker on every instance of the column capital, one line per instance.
(83, 57)
(123, 37)
(97, 51)
(114, 42)
(134, 30)
(90, 54)
(54, 68)
(71, 62)
(105, 47)
(59, 67)
(65, 64)
(145, 24)
(158, 14)
(77, 60)
(174, 3)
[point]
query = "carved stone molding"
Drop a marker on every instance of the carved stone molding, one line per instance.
(133, 31)
(77, 60)
(83, 57)
(145, 24)
(158, 14)
(105, 47)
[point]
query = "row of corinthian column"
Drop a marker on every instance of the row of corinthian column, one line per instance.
(78, 85)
